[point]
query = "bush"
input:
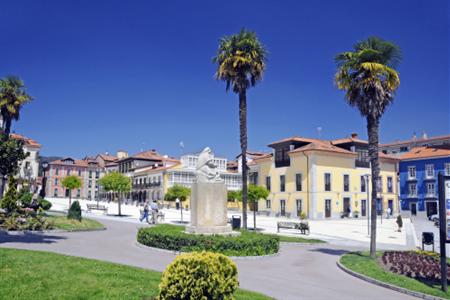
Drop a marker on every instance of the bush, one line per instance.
(44, 204)
(25, 221)
(9, 201)
(74, 211)
(25, 198)
(203, 275)
(174, 238)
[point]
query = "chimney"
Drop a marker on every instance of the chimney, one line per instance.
(424, 135)
(354, 135)
(122, 154)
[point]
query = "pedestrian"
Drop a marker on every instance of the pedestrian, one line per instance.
(154, 208)
(145, 214)
(388, 213)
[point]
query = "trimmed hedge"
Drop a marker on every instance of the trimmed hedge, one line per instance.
(74, 211)
(203, 275)
(171, 237)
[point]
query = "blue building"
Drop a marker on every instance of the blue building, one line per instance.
(419, 171)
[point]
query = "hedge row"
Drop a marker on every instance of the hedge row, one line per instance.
(174, 238)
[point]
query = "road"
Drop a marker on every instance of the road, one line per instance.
(297, 272)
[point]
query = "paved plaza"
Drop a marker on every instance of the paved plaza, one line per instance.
(345, 232)
(297, 272)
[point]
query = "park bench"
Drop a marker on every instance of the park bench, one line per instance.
(96, 207)
(302, 226)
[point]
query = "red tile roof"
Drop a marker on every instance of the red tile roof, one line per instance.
(348, 140)
(418, 140)
(326, 146)
(108, 158)
(425, 152)
(27, 141)
(293, 139)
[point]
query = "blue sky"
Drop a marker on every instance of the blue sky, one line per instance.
(109, 75)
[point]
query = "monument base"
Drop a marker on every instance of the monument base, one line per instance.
(222, 230)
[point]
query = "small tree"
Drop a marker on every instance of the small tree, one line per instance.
(9, 202)
(71, 182)
(74, 211)
(11, 154)
(255, 193)
(117, 183)
(178, 192)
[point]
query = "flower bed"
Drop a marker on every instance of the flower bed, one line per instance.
(420, 266)
(174, 238)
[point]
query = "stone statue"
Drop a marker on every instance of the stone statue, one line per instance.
(206, 168)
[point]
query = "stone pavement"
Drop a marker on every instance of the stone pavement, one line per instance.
(346, 232)
(297, 272)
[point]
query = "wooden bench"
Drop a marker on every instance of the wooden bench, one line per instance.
(96, 207)
(302, 226)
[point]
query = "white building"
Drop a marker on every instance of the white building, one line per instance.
(29, 167)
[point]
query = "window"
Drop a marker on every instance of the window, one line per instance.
(380, 185)
(55, 193)
(447, 169)
(56, 171)
(90, 183)
(282, 157)
(363, 184)
(282, 183)
(268, 184)
(78, 193)
(253, 178)
(90, 174)
(390, 187)
(89, 194)
(56, 181)
(429, 171)
(298, 203)
(412, 189)
(298, 182)
(412, 172)
(327, 182)
(431, 189)
(68, 171)
(346, 183)
(403, 149)
(268, 203)
(97, 174)
(79, 173)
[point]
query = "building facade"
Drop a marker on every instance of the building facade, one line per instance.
(29, 167)
(419, 171)
(401, 147)
(323, 179)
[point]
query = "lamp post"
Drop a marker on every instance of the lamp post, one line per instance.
(44, 180)
(366, 176)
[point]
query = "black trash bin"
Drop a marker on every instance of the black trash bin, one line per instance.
(427, 239)
(236, 222)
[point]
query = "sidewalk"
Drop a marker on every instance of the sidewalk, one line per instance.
(346, 232)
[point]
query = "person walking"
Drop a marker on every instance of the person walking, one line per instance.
(154, 208)
(145, 214)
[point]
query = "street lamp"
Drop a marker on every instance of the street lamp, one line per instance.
(44, 180)
(366, 176)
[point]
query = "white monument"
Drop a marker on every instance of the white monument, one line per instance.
(208, 199)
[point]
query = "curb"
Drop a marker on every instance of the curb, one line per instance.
(386, 285)
(142, 246)
(21, 232)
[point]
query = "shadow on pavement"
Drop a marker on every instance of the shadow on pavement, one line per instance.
(328, 251)
(29, 238)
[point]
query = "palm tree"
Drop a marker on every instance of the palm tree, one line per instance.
(241, 61)
(369, 77)
(12, 97)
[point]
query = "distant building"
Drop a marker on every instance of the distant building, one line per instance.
(152, 181)
(418, 178)
(323, 179)
(400, 147)
(29, 167)
(89, 169)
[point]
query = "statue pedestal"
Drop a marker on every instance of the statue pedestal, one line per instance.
(209, 209)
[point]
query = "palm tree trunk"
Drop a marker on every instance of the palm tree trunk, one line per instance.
(2, 185)
(243, 135)
(119, 201)
(7, 127)
(372, 131)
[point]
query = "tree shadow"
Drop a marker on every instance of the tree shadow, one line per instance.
(29, 238)
(337, 252)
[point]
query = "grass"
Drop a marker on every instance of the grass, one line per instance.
(295, 239)
(42, 275)
(61, 222)
(362, 263)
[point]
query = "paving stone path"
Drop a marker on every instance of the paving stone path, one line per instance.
(297, 272)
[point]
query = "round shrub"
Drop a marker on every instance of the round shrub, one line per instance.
(44, 204)
(174, 238)
(26, 198)
(74, 211)
(199, 275)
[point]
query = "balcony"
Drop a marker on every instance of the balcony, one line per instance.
(431, 195)
(411, 178)
(146, 185)
(362, 164)
(412, 195)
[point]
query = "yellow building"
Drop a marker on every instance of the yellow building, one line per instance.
(323, 179)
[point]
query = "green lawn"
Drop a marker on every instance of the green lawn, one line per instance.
(295, 239)
(363, 264)
(43, 275)
(61, 222)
